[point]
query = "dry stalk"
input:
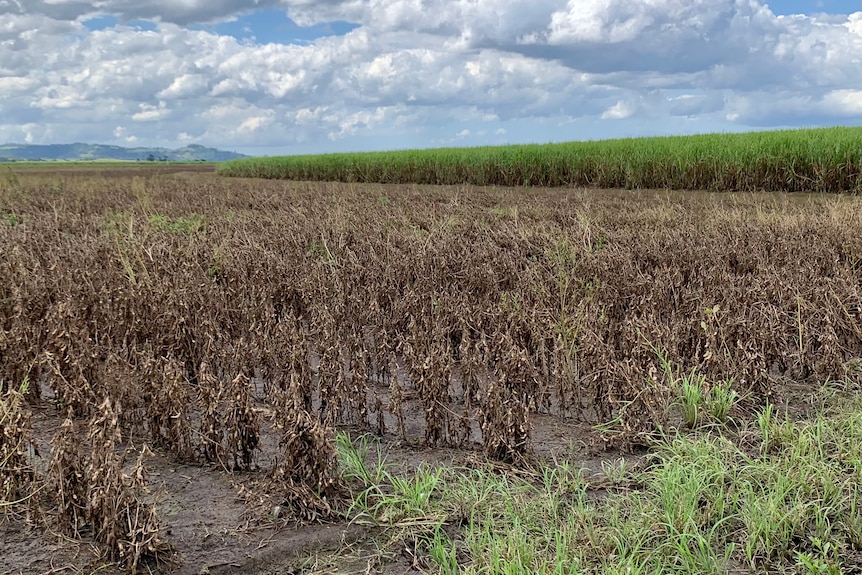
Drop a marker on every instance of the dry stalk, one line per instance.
(241, 423)
(18, 481)
(127, 526)
(306, 472)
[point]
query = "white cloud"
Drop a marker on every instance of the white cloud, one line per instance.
(28, 134)
(148, 113)
(11, 84)
(184, 86)
(693, 105)
(417, 69)
(847, 102)
(788, 108)
(254, 123)
(176, 11)
(618, 111)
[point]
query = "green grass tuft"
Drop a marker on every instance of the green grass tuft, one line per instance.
(698, 504)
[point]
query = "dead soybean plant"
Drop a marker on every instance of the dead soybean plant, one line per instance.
(18, 481)
(305, 473)
(168, 408)
(298, 366)
(547, 307)
(286, 365)
(66, 479)
(433, 384)
(127, 526)
(241, 423)
(229, 431)
(504, 413)
(470, 370)
(209, 443)
(357, 392)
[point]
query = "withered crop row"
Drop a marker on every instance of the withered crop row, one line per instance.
(185, 309)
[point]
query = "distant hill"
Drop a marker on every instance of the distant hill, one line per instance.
(54, 152)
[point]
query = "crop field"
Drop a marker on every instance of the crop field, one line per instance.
(104, 169)
(814, 160)
(201, 374)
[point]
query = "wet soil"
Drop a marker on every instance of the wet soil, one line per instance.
(213, 528)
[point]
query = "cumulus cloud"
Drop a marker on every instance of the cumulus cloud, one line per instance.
(185, 86)
(618, 111)
(413, 66)
(181, 12)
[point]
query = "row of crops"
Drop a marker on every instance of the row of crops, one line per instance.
(812, 160)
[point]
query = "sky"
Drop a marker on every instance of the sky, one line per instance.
(267, 77)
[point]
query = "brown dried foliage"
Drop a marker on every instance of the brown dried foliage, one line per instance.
(242, 424)
(305, 473)
(476, 308)
(93, 493)
(18, 482)
(122, 521)
(67, 480)
(229, 432)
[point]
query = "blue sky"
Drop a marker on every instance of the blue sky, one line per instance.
(814, 6)
(309, 76)
(274, 26)
(269, 25)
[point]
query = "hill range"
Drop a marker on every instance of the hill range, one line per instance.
(92, 152)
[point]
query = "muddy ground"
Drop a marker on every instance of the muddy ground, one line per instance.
(214, 529)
